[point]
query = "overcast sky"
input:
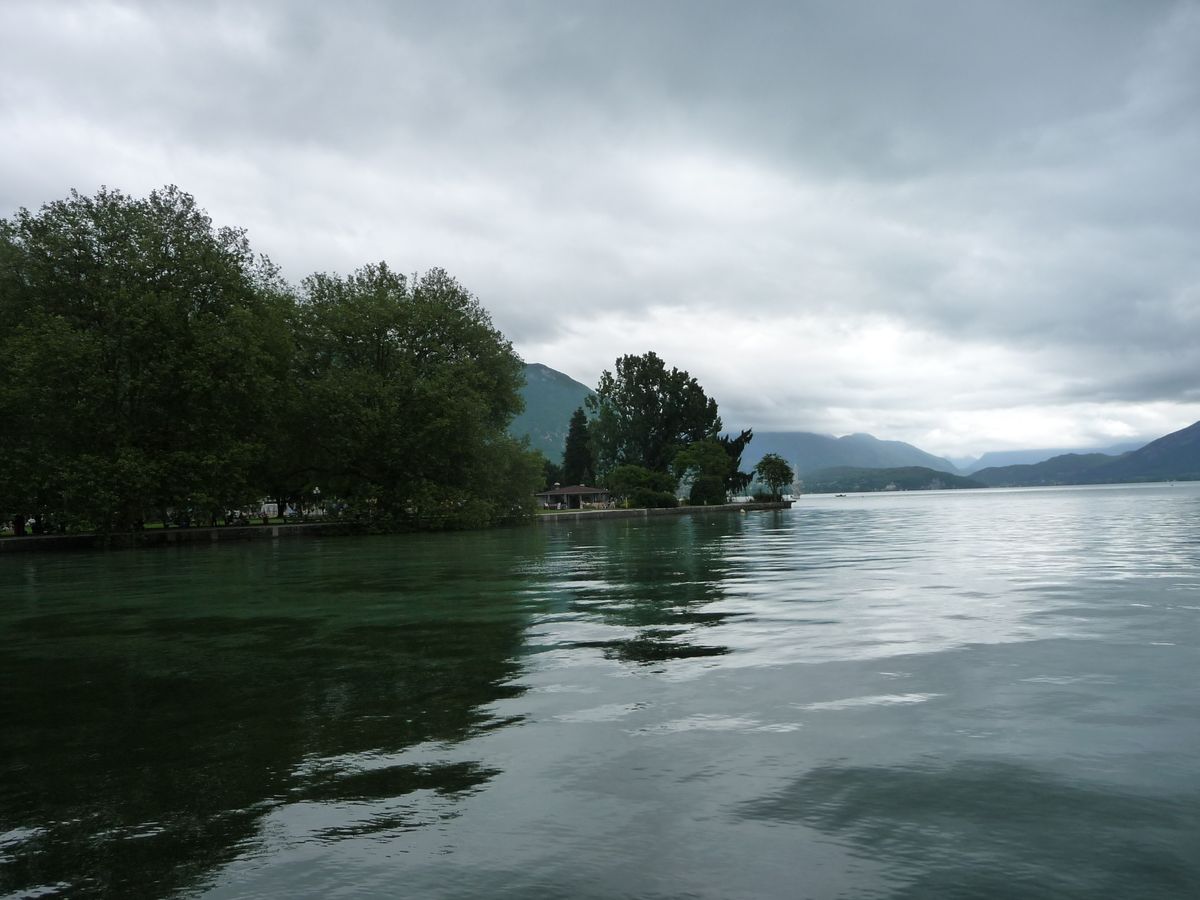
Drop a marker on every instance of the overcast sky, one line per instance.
(972, 226)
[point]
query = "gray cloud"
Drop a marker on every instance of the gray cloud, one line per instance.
(958, 223)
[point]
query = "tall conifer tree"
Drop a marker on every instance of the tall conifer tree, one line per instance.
(577, 456)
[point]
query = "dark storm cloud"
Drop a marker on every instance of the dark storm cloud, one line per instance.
(991, 207)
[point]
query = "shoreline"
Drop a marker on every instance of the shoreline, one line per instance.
(169, 537)
(581, 515)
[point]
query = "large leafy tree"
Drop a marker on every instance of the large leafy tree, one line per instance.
(644, 414)
(141, 352)
(408, 389)
(773, 471)
(577, 466)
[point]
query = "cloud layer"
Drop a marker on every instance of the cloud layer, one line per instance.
(972, 226)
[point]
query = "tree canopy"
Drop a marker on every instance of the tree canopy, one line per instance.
(150, 361)
(704, 466)
(407, 390)
(140, 353)
(735, 480)
(773, 471)
(644, 414)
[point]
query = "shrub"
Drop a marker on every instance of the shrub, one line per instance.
(707, 490)
(643, 497)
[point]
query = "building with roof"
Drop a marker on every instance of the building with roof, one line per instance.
(573, 496)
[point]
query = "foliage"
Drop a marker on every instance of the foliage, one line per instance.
(552, 472)
(773, 471)
(642, 487)
(151, 366)
(407, 391)
(577, 466)
(141, 350)
(704, 466)
(707, 490)
(736, 481)
(644, 414)
(643, 499)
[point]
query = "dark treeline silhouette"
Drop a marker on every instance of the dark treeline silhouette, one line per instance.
(154, 368)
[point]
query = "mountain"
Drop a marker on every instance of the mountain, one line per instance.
(807, 452)
(907, 478)
(1070, 468)
(1173, 457)
(998, 458)
(550, 398)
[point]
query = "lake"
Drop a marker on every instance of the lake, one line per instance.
(947, 694)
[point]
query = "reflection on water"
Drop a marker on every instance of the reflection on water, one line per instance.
(149, 731)
(955, 695)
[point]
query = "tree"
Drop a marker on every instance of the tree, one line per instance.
(735, 480)
(773, 471)
(140, 352)
(704, 467)
(644, 414)
(577, 465)
(152, 362)
(408, 390)
(642, 487)
(552, 473)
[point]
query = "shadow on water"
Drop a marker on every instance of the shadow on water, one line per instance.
(155, 713)
(997, 830)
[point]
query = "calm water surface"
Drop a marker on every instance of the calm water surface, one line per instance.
(976, 694)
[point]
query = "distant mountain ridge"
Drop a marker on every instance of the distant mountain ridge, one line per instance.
(999, 458)
(905, 478)
(1173, 457)
(808, 452)
(1069, 468)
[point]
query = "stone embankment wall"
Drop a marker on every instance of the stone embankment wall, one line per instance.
(167, 537)
(586, 515)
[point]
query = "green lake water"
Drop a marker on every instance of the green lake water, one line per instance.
(989, 694)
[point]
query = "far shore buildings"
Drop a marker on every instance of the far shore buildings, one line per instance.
(574, 496)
